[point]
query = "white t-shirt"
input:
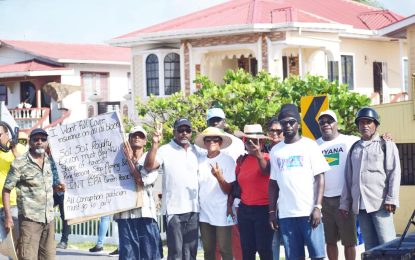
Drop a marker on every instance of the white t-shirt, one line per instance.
(294, 166)
(335, 152)
(236, 149)
(180, 178)
(212, 200)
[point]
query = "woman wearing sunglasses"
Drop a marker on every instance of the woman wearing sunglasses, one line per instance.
(274, 133)
(216, 172)
(255, 232)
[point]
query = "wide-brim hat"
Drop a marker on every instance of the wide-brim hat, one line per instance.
(251, 131)
(213, 131)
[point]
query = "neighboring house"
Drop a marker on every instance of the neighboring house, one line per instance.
(44, 83)
(399, 118)
(337, 39)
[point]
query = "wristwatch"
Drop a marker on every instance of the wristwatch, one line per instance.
(318, 206)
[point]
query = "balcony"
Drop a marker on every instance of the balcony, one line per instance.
(29, 118)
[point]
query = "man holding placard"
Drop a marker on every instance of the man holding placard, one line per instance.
(180, 188)
(139, 234)
(31, 175)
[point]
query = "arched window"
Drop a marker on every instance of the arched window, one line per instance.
(171, 73)
(152, 74)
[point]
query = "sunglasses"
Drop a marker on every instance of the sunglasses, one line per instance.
(212, 139)
(328, 121)
(182, 130)
(43, 139)
(139, 135)
(248, 140)
(291, 122)
(22, 141)
(275, 131)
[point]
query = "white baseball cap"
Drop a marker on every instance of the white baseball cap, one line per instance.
(215, 112)
(138, 128)
(328, 113)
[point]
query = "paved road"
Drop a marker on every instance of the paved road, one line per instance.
(70, 254)
(66, 254)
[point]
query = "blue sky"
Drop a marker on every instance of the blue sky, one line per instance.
(95, 21)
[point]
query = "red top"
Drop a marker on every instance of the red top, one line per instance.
(254, 185)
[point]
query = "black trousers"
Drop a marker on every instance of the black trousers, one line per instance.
(66, 229)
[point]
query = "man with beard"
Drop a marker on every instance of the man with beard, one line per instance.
(180, 188)
(31, 175)
(297, 183)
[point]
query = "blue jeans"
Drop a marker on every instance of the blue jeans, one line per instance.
(255, 232)
(377, 227)
(297, 232)
(139, 239)
(276, 244)
(103, 226)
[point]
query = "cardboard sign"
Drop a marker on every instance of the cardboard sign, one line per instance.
(90, 161)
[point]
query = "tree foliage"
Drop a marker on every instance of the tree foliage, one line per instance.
(247, 99)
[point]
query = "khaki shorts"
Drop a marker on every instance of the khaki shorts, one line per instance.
(337, 227)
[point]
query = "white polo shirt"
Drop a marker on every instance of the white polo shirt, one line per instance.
(180, 178)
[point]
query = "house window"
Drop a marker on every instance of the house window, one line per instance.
(3, 93)
(405, 74)
(171, 73)
(152, 75)
(105, 107)
(333, 70)
(94, 85)
(347, 70)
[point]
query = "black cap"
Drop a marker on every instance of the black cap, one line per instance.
(182, 121)
(289, 110)
(37, 131)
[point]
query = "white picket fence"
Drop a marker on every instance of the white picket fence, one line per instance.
(88, 231)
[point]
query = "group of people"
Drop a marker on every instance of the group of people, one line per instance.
(288, 188)
(244, 192)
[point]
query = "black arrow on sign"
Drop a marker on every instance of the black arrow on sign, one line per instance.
(310, 116)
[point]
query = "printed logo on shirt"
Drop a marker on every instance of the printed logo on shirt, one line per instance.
(290, 162)
(333, 159)
(332, 155)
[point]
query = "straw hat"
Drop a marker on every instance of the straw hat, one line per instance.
(213, 131)
(251, 131)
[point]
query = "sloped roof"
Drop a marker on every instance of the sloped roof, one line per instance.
(65, 52)
(398, 29)
(29, 65)
(246, 12)
(32, 68)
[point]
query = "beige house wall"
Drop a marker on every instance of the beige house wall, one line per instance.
(404, 212)
(366, 52)
(410, 35)
(397, 119)
(138, 76)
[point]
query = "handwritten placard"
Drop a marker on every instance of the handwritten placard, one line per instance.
(90, 160)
